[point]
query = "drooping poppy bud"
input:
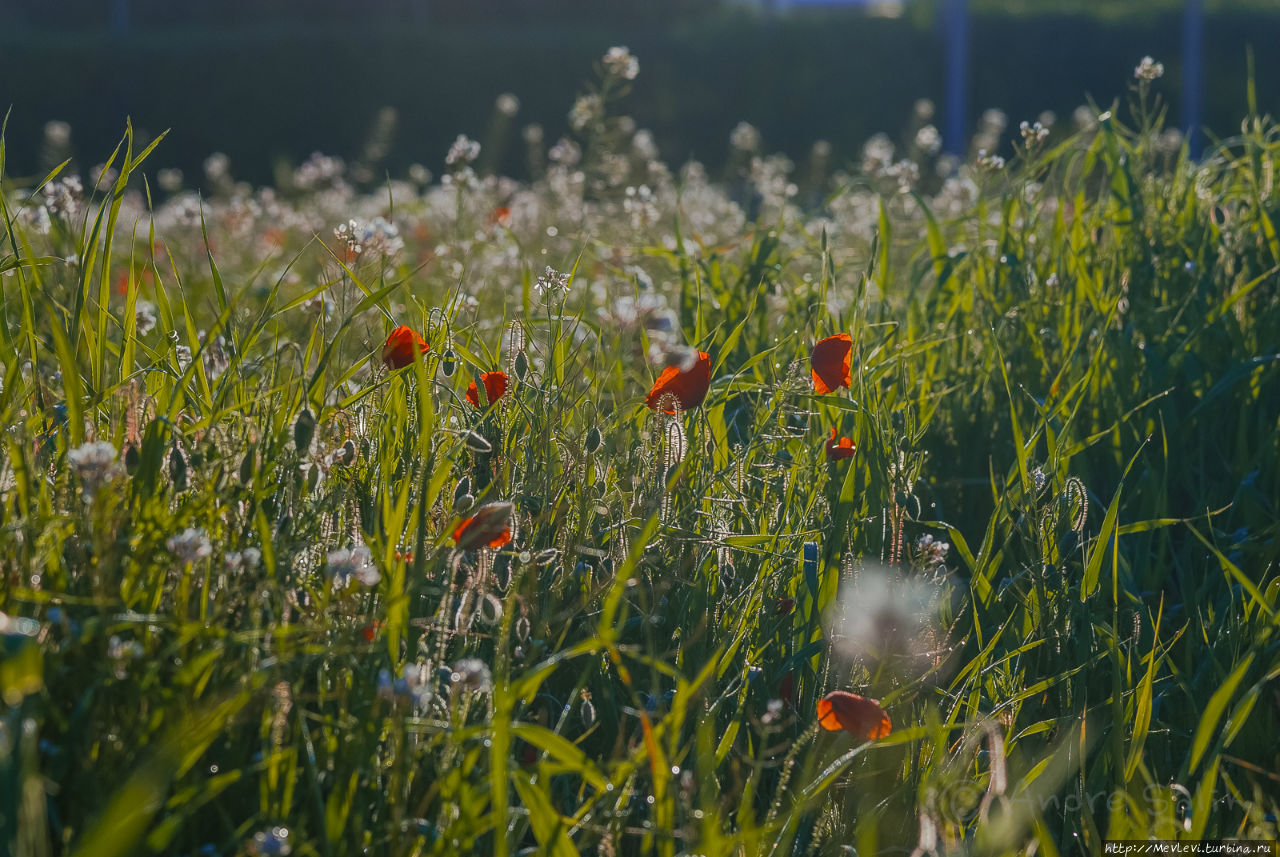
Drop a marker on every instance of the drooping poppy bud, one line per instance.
(857, 715)
(830, 363)
(688, 386)
(489, 526)
(839, 449)
(402, 346)
(495, 386)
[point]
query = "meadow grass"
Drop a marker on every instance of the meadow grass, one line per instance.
(240, 616)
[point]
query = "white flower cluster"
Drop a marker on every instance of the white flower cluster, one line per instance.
(378, 238)
(552, 282)
(190, 545)
(1148, 70)
(1033, 133)
(507, 104)
(620, 62)
(94, 463)
(587, 109)
(347, 563)
(932, 551)
(62, 197)
(744, 137)
(246, 560)
(463, 151)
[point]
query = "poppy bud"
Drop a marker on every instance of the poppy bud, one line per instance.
(178, 470)
(593, 441)
(132, 459)
(476, 442)
(490, 526)
(304, 428)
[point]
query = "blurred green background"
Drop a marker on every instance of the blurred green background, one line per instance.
(270, 81)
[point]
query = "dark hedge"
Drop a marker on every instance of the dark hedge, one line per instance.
(280, 92)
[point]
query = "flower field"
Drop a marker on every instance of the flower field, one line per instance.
(919, 505)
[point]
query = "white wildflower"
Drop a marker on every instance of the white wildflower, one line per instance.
(357, 562)
(928, 140)
(620, 62)
(1148, 70)
(463, 151)
(507, 104)
(587, 109)
(932, 551)
(744, 137)
(93, 463)
(246, 560)
(552, 282)
(190, 545)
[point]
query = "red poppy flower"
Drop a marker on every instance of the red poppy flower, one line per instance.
(830, 363)
(490, 525)
(370, 631)
(401, 347)
(854, 714)
(500, 216)
(843, 448)
(689, 386)
(495, 384)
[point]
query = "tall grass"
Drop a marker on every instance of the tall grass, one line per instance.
(1052, 558)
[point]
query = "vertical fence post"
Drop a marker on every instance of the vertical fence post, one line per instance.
(119, 17)
(955, 26)
(1193, 73)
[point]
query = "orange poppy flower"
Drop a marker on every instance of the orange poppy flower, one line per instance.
(830, 363)
(838, 449)
(689, 386)
(854, 714)
(490, 525)
(500, 216)
(495, 385)
(401, 347)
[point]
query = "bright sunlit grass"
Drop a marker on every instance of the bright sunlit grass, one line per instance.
(346, 516)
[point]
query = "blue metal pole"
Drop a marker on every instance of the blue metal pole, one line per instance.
(955, 25)
(120, 16)
(1193, 74)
